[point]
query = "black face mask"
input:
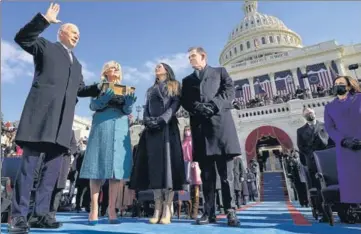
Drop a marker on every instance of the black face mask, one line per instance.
(310, 118)
(340, 89)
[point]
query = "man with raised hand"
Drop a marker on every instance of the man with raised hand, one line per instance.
(47, 118)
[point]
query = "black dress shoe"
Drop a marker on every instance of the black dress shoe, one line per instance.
(205, 219)
(18, 225)
(233, 221)
(47, 223)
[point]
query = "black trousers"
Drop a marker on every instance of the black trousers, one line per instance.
(83, 195)
(25, 179)
(55, 201)
(224, 166)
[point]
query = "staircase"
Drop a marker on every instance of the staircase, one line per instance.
(274, 188)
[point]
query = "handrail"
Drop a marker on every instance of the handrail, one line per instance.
(288, 187)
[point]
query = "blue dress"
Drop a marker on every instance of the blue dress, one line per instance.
(108, 154)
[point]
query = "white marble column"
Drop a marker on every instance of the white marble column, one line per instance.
(295, 77)
(340, 67)
(273, 83)
(251, 85)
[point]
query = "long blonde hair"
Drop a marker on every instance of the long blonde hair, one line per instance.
(109, 65)
(173, 88)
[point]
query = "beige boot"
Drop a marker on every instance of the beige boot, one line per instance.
(167, 207)
(158, 199)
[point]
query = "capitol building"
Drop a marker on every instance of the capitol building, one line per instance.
(266, 58)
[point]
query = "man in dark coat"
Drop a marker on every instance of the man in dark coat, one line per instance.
(207, 95)
(312, 137)
(46, 121)
(37, 222)
(239, 175)
(61, 181)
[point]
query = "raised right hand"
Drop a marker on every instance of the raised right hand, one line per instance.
(52, 13)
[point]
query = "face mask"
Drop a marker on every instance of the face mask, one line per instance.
(188, 133)
(340, 89)
(310, 118)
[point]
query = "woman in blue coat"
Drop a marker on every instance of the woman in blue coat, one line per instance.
(108, 154)
(342, 122)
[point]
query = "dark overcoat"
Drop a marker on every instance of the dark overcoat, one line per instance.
(310, 139)
(159, 162)
(239, 172)
(65, 165)
(48, 114)
(216, 135)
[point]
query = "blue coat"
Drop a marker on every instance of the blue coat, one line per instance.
(108, 154)
(342, 119)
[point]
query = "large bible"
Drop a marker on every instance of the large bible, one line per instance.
(118, 89)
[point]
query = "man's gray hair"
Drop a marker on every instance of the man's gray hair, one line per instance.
(63, 27)
(199, 49)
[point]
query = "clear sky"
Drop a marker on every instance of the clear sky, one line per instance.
(140, 34)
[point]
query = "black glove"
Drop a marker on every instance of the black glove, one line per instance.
(204, 109)
(116, 100)
(153, 123)
(149, 121)
(351, 143)
(161, 122)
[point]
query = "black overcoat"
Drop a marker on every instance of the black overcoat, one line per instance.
(216, 135)
(159, 160)
(310, 139)
(48, 113)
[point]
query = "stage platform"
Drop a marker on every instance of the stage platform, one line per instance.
(256, 218)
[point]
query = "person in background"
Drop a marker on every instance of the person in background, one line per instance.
(342, 122)
(194, 173)
(108, 155)
(312, 136)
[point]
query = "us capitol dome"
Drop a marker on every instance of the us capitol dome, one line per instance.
(258, 35)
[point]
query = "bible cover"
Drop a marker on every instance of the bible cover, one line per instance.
(118, 89)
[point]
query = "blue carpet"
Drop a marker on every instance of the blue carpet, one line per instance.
(273, 187)
(264, 218)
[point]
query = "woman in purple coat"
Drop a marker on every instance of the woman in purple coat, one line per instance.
(343, 124)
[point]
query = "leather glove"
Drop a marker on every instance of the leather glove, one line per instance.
(106, 96)
(161, 122)
(130, 99)
(156, 124)
(351, 143)
(153, 125)
(204, 109)
(147, 121)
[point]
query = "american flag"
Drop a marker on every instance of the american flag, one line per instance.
(322, 77)
(263, 87)
(246, 91)
(285, 85)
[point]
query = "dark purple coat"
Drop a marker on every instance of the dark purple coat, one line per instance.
(343, 119)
